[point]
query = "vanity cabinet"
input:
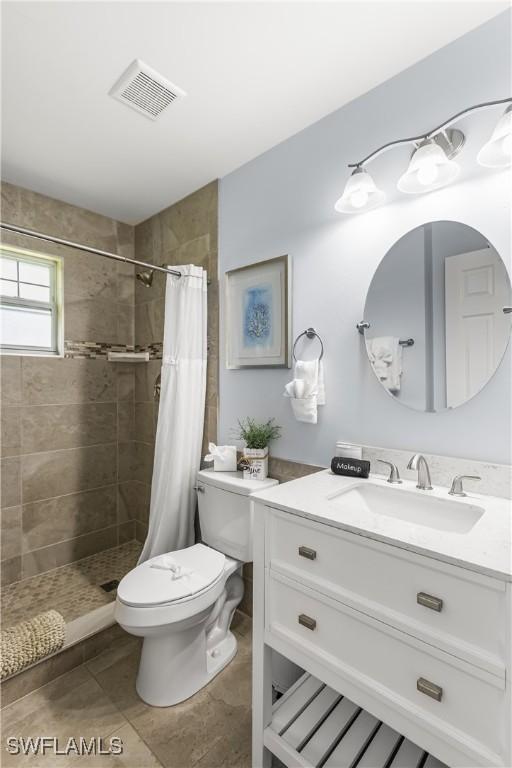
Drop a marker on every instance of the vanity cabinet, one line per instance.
(446, 606)
(418, 644)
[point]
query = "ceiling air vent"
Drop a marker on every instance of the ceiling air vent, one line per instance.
(145, 90)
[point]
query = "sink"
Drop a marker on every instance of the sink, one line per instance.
(411, 506)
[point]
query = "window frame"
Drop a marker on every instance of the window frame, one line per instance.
(54, 305)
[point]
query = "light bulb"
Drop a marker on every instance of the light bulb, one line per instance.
(428, 173)
(359, 198)
(429, 168)
(497, 152)
(360, 193)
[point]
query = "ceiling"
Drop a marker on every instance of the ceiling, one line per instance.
(255, 73)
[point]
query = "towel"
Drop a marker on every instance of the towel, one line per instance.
(320, 397)
(385, 355)
(306, 390)
(167, 563)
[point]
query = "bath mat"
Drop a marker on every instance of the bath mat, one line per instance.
(29, 641)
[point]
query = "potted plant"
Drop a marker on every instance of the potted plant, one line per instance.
(257, 436)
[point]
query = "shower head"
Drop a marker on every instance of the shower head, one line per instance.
(146, 277)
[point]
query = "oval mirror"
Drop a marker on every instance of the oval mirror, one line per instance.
(435, 307)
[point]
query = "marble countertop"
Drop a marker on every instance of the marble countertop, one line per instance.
(485, 548)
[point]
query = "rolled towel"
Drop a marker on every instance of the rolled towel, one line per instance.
(30, 641)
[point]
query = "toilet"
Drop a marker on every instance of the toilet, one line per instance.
(184, 610)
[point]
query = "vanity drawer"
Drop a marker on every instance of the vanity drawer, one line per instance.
(374, 656)
(449, 607)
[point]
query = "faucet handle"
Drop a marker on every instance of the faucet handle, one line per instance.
(394, 474)
(457, 489)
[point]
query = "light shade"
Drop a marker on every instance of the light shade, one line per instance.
(497, 152)
(428, 169)
(360, 194)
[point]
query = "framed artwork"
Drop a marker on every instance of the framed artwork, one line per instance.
(257, 316)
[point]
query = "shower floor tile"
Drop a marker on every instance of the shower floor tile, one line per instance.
(73, 589)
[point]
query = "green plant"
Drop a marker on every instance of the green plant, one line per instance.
(258, 434)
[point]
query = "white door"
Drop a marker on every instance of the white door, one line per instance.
(476, 290)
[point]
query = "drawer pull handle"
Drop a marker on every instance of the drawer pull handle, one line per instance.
(307, 621)
(429, 601)
(429, 689)
(310, 554)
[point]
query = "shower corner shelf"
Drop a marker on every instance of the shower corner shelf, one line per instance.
(313, 725)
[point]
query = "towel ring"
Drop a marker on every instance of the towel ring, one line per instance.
(310, 333)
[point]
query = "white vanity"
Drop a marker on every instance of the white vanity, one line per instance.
(397, 603)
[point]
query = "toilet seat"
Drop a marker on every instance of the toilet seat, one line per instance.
(149, 587)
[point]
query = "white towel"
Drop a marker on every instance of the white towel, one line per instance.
(167, 563)
(320, 398)
(306, 390)
(385, 355)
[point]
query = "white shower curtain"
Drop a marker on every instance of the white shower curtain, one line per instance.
(180, 419)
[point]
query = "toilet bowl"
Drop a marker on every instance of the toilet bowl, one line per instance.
(182, 603)
(184, 622)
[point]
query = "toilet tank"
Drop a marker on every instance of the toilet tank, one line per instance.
(226, 511)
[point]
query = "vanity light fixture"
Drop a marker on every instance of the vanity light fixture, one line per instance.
(360, 193)
(497, 152)
(431, 165)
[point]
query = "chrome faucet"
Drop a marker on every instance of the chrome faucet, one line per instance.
(394, 474)
(419, 462)
(457, 489)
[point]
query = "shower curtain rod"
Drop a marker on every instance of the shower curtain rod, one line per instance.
(81, 247)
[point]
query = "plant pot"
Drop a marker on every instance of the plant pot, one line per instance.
(258, 463)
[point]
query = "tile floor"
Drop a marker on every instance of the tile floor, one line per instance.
(73, 589)
(210, 730)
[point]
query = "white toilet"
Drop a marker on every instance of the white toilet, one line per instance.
(185, 620)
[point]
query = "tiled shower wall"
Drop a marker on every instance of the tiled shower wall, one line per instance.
(67, 424)
(78, 434)
(185, 233)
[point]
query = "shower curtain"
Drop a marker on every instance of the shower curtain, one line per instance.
(180, 419)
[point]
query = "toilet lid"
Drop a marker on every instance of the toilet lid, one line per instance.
(181, 574)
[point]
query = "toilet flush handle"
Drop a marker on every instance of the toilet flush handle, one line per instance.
(199, 488)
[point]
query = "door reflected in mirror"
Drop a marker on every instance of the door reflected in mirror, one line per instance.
(437, 330)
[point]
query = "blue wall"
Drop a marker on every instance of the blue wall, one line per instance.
(282, 202)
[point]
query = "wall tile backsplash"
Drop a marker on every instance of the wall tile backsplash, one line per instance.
(496, 478)
(92, 349)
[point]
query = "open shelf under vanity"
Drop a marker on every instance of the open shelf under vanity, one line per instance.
(313, 726)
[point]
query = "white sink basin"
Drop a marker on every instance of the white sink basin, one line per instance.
(416, 507)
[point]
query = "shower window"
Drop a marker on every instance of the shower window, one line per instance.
(30, 303)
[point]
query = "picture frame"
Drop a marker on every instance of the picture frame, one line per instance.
(258, 315)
